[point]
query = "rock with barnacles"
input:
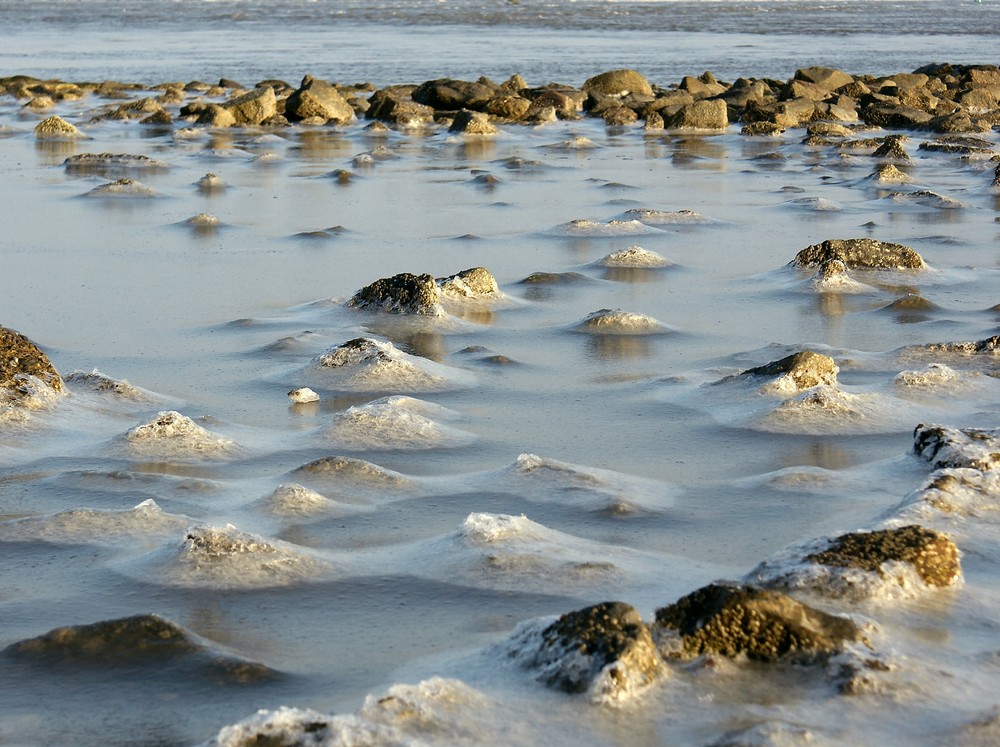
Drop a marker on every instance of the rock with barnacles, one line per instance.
(795, 372)
(23, 368)
(976, 448)
(404, 293)
(868, 254)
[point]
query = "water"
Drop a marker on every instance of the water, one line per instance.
(536, 466)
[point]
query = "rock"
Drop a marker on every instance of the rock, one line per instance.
(700, 115)
(446, 94)
(895, 116)
(891, 149)
(976, 448)
(147, 640)
(21, 359)
(762, 128)
(106, 163)
(619, 116)
(476, 282)
(861, 253)
(799, 371)
(396, 106)
(404, 293)
(604, 650)
(887, 173)
(317, 98)
(473, 123)
(215, 115)
(619, 83)
(829, 78)
(513, 108)
(56, 128)
(210, 183)
(254, 107)
(303, 395)
(932, 555)
(764, 625)
(654, 122)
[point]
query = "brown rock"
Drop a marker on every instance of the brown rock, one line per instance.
(707, 114)
(317, 98)
(19, 358)
(254, 107)
(805, 369)
(861, 253)
(826, 77)
(619, 83)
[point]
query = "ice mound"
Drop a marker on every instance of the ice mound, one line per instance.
(291, 499)
(665, 217)
(589, 488)
(476, 284)
(958, 492)
(172, 435)
(147, 641)
(604, 651)
(618, 322)
(587, 228)
(95, 381)
(634, 256)
(826, 410)
(792, 374)
(367, 365)
(125, 187)
(83, 525)
(397, 422)
(577, 143)
(819, 204)
(927, 198)
(934, 380)
(228, 558)
(882, 564)
(437, 711)
(23, 393)
(977, 448)
(355, 474)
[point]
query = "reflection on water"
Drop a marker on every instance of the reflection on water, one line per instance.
(633, 274)
(54, 152)
(618, 347)
(818, 452)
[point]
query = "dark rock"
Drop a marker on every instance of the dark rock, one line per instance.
(932, 555)
(860, 253)
(895, 116)
(761, 128)
(395, 105)
(508, 107)
(605, 649)
(400, 294)
(891, 149)
(829, 78)
(764, 625)
(975, 448)
(449, 95)
(555, 278)
(473, 123)
(803, 370)
(21, 358)
(619, 116)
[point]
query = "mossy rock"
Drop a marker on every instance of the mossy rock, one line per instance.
(861, 253)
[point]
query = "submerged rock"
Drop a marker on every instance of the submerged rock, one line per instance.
(618, 322)
(141, 639)
(173, 434)
(861, 253)
(977, 448)
(404, 293)
(351, 470)
(303, 395)
(988, 346)
(367, 365)
(95, 381)
(122, 188)
(22, 366)
(605, 650)
(796, 372)
(761, 624)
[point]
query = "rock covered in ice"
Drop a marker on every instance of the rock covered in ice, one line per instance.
(927, 198)
(367, 365)
(26, 373)
(888, 173)
(404, 293)
(290, 499)
(171, 434)
(435, 711)
(793, 373)
(148, 640)
(942, 446)
(634, 256)
(956, 491)
(351, 471)
(96, 381)
(618, 322)
(228, 558)
(764, 625)
(869, 254)
(882, 563)
(88, 525)
(124, 187)
(605, 651)
(303, 395)
(832, 277)
(210, 183)
(397, 423)
(935, 377)
(474, 283)
(652, 217)
(988, 346)
(583, 227)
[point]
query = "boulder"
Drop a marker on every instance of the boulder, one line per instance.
(254, 107)
(604, 650)
(763, 625)
(932, 555)
(802, 370)
(214, 115)
(895, 116)
(395, 105)
(509, 107)
(619, 116)
(317, 98)
(975, 448)
(869, 254)
(56, 128)
(826, 77)
(449, 95)
(708, 114)
(619, 83)
(20, 358)
(476, 282)
(473, 123)
(404, 293)
(892, 149)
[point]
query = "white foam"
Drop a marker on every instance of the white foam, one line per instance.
(85, 525)
(398, 422)
(953, 494)
(95, 381)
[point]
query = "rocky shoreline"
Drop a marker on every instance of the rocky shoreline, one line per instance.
(940, 98)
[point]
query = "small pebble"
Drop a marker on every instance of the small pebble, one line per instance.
(303, 394)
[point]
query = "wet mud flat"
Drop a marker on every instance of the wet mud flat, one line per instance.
(469, 411)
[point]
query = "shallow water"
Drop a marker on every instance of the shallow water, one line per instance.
(408, 558)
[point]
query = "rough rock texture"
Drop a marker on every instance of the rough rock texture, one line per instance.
(861, 253)
(395, 105)
(254, 107)
(763, 625)
(319, 99)
(989, 346)
(400, 294)
(142, 639)
(977, 448)
(934, 557)
(55, 128)
(707, 114)
(619, 83)
(473, 123)
(19, 358)
(803, 370)
(892, 149)
(476, 282)
(605, 650)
